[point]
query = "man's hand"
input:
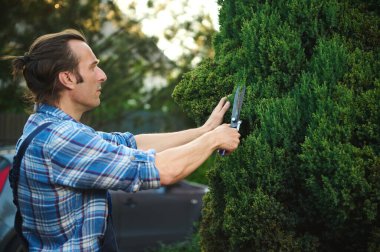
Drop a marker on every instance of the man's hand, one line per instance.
(216, 117)
(176, 163)
(164, 141)
(227, 138)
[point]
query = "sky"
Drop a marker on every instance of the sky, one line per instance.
(156, 24)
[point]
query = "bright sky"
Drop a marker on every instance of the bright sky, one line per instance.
(173, 12)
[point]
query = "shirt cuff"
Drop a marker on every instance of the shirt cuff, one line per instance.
(131, 141)
(148, 175)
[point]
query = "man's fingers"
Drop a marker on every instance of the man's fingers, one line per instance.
(225, 107)
(221, 104)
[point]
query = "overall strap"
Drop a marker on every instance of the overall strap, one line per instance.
(14, 175)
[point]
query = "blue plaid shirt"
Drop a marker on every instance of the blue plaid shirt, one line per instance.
(64, 177)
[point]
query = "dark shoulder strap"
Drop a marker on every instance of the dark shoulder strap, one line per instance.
(25, 143)
(14, 177)
(15, 171)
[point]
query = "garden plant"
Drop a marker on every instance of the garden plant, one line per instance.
(306, 176)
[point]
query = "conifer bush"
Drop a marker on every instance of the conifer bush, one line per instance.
(306, 176)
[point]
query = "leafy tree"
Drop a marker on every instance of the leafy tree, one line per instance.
(127, 56)
(199, 29)
(306, 176)
(24, 20)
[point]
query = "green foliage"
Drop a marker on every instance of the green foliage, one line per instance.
(127, 56)
(191, 244)
(306, 176)
(23, 21)
(200, 175)
(195, 106)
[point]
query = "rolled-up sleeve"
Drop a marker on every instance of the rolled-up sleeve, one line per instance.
(84, 159)
(147, 171)
(125, 138)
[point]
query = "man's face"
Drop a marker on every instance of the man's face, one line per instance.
(86, 94)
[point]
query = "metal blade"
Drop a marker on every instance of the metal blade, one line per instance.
(241, 98)
(235, 117)
(238, 102)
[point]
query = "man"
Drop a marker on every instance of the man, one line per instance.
(68, 167)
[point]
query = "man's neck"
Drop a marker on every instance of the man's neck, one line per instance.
(70, 110)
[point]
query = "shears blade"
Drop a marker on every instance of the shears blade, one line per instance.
(235, 116)
(238, 102)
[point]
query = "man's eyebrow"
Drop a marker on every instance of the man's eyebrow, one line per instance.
(94, 63)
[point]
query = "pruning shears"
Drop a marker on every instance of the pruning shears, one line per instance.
(235, 116)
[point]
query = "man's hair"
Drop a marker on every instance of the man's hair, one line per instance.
(49, 55)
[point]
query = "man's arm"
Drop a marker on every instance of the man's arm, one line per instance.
(176, 163)
(82, 159)
(163, 141)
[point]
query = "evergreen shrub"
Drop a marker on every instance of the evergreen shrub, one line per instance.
(306, 176)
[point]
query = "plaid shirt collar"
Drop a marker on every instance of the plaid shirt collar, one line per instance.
(53, 111)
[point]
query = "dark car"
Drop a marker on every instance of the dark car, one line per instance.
(142, 220)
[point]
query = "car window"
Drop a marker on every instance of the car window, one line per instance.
(3, 163)
(4, 170)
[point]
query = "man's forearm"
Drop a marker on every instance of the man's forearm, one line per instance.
(164, 141)
(176, 163)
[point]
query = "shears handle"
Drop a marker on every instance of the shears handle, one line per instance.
(223, 152)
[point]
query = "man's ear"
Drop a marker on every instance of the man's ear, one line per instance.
(67, 79)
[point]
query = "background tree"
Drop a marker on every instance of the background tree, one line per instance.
(127, 55)
(185, 25)
(306, 176)
(137, 95)
(22, 21)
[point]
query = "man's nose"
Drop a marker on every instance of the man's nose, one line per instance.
(103, 76)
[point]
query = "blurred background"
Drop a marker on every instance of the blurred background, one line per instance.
(144, 48)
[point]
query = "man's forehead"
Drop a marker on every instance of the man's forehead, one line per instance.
(82, 50)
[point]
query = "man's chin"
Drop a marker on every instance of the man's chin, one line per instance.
(92, 106)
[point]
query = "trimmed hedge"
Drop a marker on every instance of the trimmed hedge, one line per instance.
(306, 176)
